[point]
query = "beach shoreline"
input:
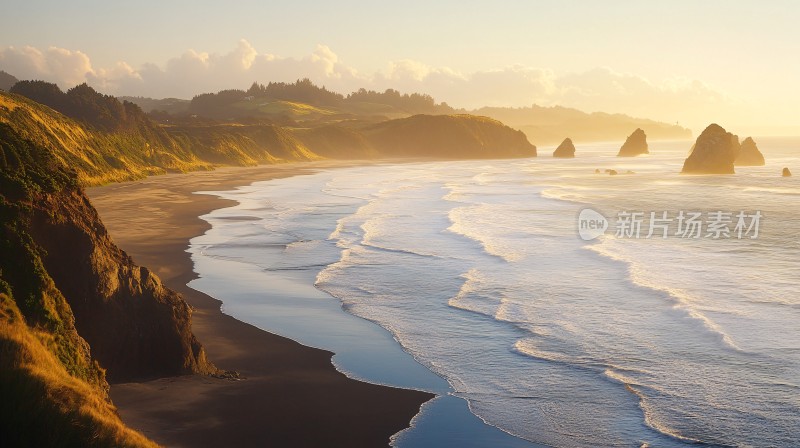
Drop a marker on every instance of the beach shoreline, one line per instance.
(291, 395)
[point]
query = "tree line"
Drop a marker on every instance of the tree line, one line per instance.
(305, 91)
(83, 103)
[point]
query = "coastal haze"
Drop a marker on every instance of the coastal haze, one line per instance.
(528, 224)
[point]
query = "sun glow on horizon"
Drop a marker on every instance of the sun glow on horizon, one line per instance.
(696, 64)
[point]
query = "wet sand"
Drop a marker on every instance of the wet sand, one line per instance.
(291, 395)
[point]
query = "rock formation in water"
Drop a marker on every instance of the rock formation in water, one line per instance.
(714, 152)
(635, 145)
(786, 172)
(565, 150)
(749, 155)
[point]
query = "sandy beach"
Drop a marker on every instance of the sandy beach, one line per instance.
(291, 395)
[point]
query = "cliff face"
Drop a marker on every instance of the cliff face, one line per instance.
(635, 144)
(713, 153)
(135, 327)
(72, 304)
(448, 136)
(749, 155)
(565, 150)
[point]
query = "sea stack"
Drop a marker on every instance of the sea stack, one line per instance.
(713, 153)
(565, 150)
(635, 145)
(786, 172)
(749, 155)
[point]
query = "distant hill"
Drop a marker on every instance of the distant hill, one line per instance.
(448, 136)
(291, 103)
(430, 136)
(337, 142)
(550, 125)
(7, 81)
(104, 140)
(303, 104)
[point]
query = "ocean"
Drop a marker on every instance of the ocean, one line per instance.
(475, 271)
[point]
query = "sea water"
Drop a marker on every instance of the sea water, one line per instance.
(476, 269)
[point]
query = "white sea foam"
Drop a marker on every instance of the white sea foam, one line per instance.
(684, 302)
(477, 271)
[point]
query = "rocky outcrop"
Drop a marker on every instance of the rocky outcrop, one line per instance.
(786, 172)
(565, 150)
(714, 152)
(136, 328)
(636, 144)
(449, 137)
(749, 155)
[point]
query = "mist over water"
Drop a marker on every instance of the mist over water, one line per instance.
(477, 270)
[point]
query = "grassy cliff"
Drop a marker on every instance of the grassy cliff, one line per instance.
(96, 156)
(135, 149)
(74, 308)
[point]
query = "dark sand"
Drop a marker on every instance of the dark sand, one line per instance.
(292, 395)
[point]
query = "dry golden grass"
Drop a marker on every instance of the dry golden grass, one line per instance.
(97, 157)
(42, 404)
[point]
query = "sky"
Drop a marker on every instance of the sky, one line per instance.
(736, 63)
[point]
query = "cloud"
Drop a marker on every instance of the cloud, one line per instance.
(673, 99)
(194, 72)
(69, 67)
